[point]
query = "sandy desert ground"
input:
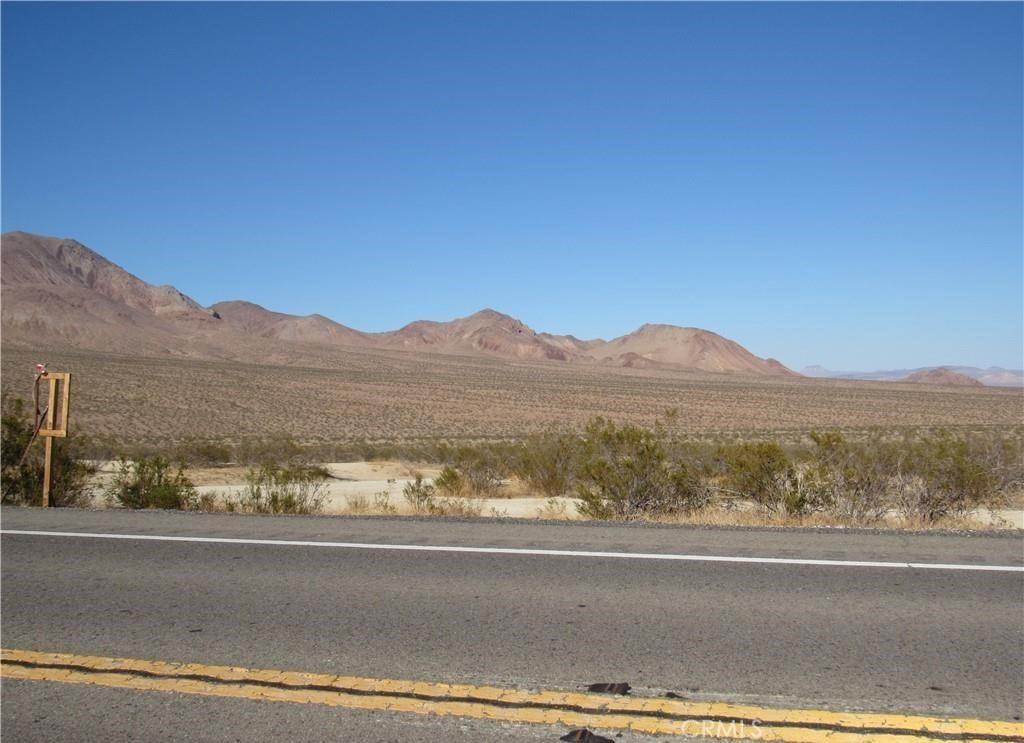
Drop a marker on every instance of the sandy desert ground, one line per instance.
(396, 396)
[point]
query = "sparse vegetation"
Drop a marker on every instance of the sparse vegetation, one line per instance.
(200, 452)
(760, 471)
(269, 451)
(480, 469)
(419, 494)
(382, 503)
(741, 446)
(367, 405)
(547, 461)
(944, 476)
(21, 482)
(423, 499)
(357, 503)
(450, 482)
(272, 488)
(624, 472)
(553, 508)
(151, 482)
(850, 480)
(627, 471)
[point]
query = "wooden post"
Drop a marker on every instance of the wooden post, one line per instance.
(47, 469)
(55, 426)
(51, 412)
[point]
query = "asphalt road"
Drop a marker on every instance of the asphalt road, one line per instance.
(836, 636)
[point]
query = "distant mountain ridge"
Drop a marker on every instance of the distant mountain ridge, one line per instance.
(487, 331)
(252, 319)
(66, 293)
(58, 291)
(942, 376)
(692, 348)
(993, 376)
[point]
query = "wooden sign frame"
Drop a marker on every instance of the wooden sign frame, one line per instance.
(56, 425)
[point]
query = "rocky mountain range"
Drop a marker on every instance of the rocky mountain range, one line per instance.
(57, 293)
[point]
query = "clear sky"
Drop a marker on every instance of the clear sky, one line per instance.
(824, 183)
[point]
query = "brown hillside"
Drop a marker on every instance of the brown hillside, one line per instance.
(486, 332)
(686, 348)
(58, 293)
(32, 260)
(942, 376)
(251, 319)
(571, 344)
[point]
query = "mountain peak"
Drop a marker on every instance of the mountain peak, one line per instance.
(659, 344)
(103, 306)
(942, 375)
(489, 313)
(62, 263)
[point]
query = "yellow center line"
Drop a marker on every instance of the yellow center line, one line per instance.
(574, 709)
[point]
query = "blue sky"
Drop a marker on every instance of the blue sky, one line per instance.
(822, 182)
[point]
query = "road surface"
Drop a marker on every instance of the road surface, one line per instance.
(829, 620)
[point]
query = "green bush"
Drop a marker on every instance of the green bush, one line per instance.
(481, 467)
(547, 462)
(450, 481)
(21, 476)
(624, 473)
(944, 476)
(850, 480)
(762, 472)
(151, 482)
(271, 488)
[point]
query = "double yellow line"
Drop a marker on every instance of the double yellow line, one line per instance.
(572, 709)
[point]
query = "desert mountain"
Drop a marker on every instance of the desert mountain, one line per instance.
(32, 260)
(688, 348)
(942, 376)
(572, 345)
(993, 376)
(487, 332)
(59, 293)
(250, 319)
(62, 292)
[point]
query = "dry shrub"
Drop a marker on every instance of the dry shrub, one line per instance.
(943, 476)
(151, 482)
(624, 473)
(450, 481)
(762, 472)
(21, 479)
(422, 499)
(272, 488)
(547, 461)
(419, 494)
(482, 468)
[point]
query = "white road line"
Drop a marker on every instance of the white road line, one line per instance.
(524, 551)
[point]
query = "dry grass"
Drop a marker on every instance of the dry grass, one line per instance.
(392, 396)
(717, 516)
